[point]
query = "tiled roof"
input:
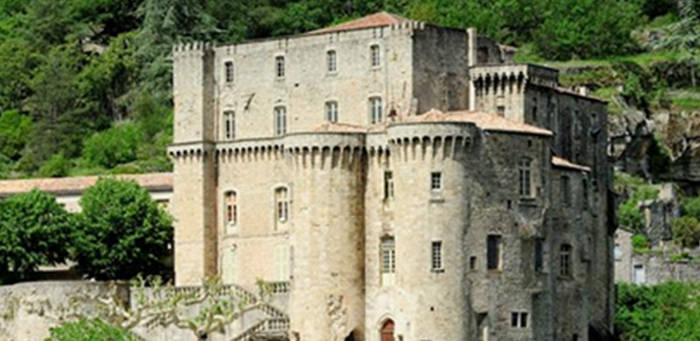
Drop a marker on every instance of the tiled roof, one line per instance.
(79, 184)
(373, 20)
(563, 163)
(489, 122)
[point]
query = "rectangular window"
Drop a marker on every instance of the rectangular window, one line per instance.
(518, 320)
(282, 204)
(229, 125)
(228, 72)
(565, 191)
(435, 181)
(375, 110)
(565, 261)
(231, 208)
(534, 111)
(493, 252)
(525, 174)
(388, 185)
(332, 111)
(332, 61)
(375, 55)
(280, 121)
(639, 275)
(388, 255)
(279, 66)
(436, 253)
(472, 263)
(618, 252)
(539, 254)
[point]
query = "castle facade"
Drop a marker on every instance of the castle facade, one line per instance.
(398, 181)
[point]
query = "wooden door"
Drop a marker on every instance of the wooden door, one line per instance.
(387, 331)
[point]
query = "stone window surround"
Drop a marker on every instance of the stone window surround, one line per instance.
(376, 109)
(375, 55)
(281, 205)
(229, 72)
(280, 120)
(332, 111)
(331, 61)
(436, 184)
(229, 116)
(387, 259)
(280, 66)
(236, 208)
(437, 263)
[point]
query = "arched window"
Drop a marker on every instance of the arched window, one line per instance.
(525, 175)
(231, 208)
(228, 72)
(281, 206)
(387, 331)
(332, 61)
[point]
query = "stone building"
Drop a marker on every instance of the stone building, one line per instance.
(398, 180)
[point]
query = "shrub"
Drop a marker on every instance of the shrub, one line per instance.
(14, 132)
(113, 146)
(640, 243)
(55, 167)
(89, 330)
(686, 231)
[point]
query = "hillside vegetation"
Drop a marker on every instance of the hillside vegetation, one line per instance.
(85, 85)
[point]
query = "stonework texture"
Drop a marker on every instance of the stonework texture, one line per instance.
(462, 154)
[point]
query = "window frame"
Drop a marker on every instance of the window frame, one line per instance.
(494, 250)
(387, 251)
(229, 125)
(565, 191)
(376, 110)
(436, 181)
(519, 319)
(525, 178)
(280, 67)
(231, 213)
(375, 56)
(229, 72)
(280, 120)
(331, 61)
(565, 260)
(436, 256)
(388, 185)
(282, 205)
(332, 111)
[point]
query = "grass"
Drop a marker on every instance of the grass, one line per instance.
(526, 55)
(686, 103)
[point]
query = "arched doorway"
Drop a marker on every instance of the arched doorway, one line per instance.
(387, 331)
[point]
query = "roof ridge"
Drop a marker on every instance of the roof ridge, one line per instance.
(378, 19)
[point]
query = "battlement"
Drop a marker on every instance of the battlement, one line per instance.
(485, 76)
(193, 46)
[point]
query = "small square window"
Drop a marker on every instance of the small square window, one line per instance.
(518, 320)
(436, 181)
(501, 110)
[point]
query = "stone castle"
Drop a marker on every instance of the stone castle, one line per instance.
(398, 180)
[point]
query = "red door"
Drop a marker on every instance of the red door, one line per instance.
(388, 331)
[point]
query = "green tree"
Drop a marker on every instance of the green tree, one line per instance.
(114, 146)
(34, 230)
(14, 132)
(686, 231)
(122, 232)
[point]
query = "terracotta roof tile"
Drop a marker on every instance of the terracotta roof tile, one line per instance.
(489, 122)
(79, 184)
(563, 163)
(373, 20)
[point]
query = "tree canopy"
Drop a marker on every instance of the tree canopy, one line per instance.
(121, 232)
(34, 230)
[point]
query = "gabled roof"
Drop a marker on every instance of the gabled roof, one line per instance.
(153, 181)
(485, 121)
(380, 19)
(563, 163)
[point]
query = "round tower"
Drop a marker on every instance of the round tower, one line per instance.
(326, 300)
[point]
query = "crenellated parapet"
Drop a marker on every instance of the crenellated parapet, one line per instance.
(430, 140)
(192, 49)
(326, 151)
(502, 79)
(190, 151)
